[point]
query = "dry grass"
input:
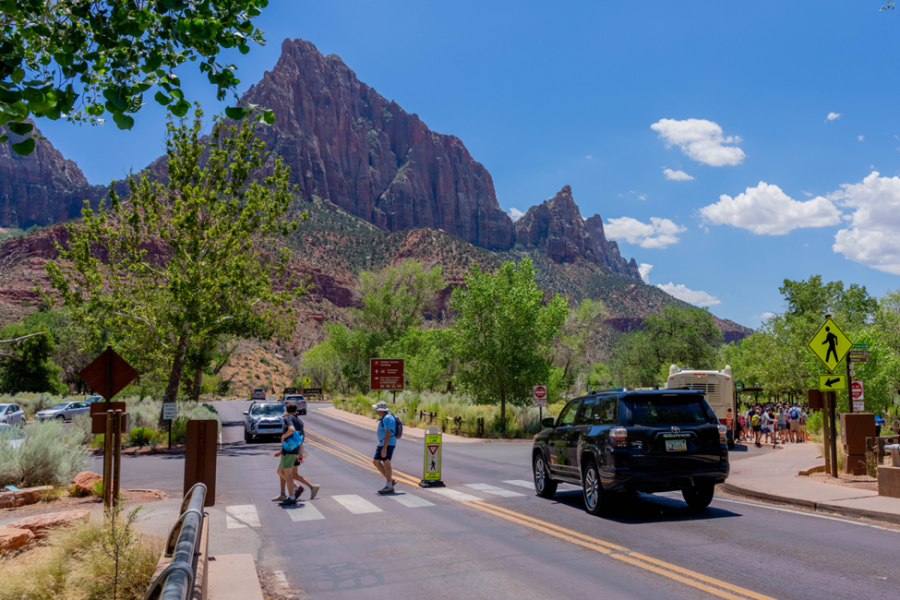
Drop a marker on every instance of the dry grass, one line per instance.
(74, 563)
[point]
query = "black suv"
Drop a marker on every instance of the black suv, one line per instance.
(618, 441)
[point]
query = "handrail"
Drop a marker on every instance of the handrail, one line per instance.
(177, 579)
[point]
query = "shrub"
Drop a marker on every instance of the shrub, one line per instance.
(141, 436)
(50, 455)
(98, 442)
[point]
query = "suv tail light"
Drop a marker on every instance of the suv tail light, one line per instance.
(723, 437)
(619, 437)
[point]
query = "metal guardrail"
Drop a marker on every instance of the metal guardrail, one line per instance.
(177, 579)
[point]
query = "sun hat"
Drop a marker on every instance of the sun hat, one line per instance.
(380, 405)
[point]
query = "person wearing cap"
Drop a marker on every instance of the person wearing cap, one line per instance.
(387, 440)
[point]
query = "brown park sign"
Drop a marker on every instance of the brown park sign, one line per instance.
(386, 374)
(109, 374)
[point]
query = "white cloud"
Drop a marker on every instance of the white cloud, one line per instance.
(833, 116)
(861, 138)
(701, 140)
(645, 269)
(589, 157)
(873, 237)
(765, 209)
(516, 214)
(677, 175)
(659, 233)
(690, 296)
(767, 315)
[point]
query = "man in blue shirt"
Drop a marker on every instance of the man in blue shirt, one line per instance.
(387, 439)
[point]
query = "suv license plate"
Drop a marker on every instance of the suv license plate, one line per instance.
(676, 445)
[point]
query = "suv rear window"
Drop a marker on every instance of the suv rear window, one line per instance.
(668, 409)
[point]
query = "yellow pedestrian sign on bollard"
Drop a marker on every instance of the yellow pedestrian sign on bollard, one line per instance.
(432, 470)
(832, 383)
(830, 344)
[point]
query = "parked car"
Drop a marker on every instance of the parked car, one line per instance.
(263, 419)
(12, 414)
(299, 400)
(619, 441)
(64, 411)
(12, 436)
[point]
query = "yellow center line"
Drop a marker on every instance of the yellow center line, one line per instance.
(687, 577)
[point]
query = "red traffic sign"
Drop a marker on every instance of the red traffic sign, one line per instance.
(386, 374)
(540, 392)
(109, 374)
(433, 448)
(856, 390)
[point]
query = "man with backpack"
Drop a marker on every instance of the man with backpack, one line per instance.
(389, 429)
(291, 453)
(794, 414)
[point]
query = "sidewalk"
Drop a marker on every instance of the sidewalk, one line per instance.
(409, 432)
(773, 478)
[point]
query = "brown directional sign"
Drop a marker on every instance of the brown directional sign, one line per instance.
(108, 374)
(386, 374)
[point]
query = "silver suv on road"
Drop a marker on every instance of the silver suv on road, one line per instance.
(263, 419)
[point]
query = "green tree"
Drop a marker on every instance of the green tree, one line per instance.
(79, 59)
(208, 275)
(29, 368)
(427, 357)
(504, 333)
(634, 362)
(814, 298)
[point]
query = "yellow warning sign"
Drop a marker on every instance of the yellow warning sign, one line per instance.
(830, 344)
(832, 383)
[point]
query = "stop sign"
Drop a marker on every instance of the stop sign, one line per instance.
(856, 390)
(540, 392)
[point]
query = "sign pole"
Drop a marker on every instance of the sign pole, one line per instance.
(170, 434)
(109, 370)
(107, 461)
(849, 387)
(832, 409)
(826, 430)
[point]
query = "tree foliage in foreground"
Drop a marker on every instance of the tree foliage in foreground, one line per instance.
(80, 59)
(504, 333)
(207, 276)
(33, 371)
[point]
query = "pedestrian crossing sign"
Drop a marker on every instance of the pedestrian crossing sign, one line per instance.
(830, 344)
(431, 475)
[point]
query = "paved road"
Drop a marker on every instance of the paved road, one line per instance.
(501, 541)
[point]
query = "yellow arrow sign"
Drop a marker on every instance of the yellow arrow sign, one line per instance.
(830, 344)
(832, 383)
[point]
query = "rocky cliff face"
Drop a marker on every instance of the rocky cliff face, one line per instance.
(41, 188)
(347, 143)
(556, 227)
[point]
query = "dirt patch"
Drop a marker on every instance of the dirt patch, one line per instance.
(859, 482)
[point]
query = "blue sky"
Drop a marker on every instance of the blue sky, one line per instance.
(604, 96)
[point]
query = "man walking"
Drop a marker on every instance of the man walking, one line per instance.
(387, 439)
(291, 456)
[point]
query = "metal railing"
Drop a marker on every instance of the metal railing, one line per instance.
(177, 579)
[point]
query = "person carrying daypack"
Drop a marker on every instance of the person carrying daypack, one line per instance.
(291, 454)
(389, 429)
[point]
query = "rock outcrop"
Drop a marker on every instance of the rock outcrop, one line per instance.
(556, 227)
(41, 188)
(345, 142)
(40, 525)
(14, 539)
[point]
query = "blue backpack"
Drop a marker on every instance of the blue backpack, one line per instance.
(292, 442)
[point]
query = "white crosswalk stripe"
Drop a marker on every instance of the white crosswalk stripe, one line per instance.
(492, 489)
(304, 511)
(241, 516)
(521, 483)
(357, 504)
(410, 501)
(454, 495)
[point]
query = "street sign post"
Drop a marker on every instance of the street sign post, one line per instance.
(830, 344)
(170, 411)
(386, 374)
(539, 398)
(832, 383)
(860, 346)
(739, 386)
(431, 476)
(857, 396)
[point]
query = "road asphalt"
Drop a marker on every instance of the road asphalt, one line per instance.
(491, 537)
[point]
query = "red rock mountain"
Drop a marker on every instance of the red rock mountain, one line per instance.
(41, 188)
(556, 227)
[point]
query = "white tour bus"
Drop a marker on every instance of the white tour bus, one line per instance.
(719, 389)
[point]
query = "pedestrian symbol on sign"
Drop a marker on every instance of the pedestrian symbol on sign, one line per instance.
(432, 468)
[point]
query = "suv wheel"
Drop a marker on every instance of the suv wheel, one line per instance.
(247, 437)
(544, 487)
(593, 490)
(699, 496)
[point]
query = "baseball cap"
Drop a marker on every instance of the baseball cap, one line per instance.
(380, 405)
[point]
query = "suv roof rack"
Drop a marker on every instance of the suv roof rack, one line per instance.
(621, 389)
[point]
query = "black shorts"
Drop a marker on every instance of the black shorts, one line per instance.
(390, 453)
(757, 428)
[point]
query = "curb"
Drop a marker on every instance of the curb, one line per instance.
(819, 507)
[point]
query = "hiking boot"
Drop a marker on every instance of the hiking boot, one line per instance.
(279, 498)
(288, 502)
(387, 489)
(299, 491)
(313, 491)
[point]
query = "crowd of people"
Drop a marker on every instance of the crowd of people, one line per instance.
(773, 424)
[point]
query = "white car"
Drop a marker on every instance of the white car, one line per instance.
(13, 436)
(64, 411)
(12, 414)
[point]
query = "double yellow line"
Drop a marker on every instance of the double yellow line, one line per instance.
(715, 587)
